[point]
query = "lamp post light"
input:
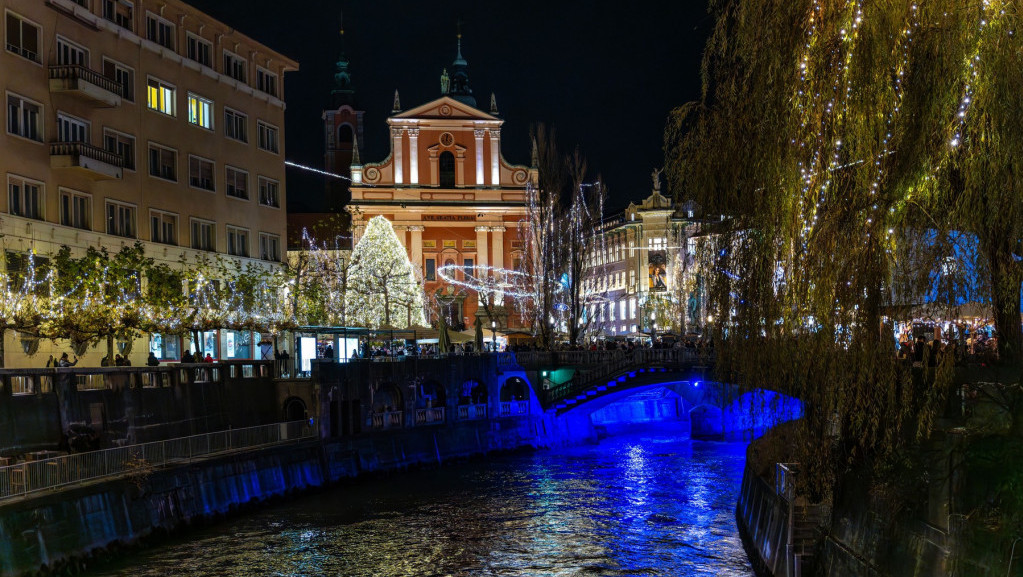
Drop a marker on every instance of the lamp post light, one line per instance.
(493, 335)
(653, 328)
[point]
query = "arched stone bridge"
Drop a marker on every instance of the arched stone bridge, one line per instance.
(583, 386)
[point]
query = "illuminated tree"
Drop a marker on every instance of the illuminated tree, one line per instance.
(24, 297)
(856, 146)
(383, 288)
(542, 233)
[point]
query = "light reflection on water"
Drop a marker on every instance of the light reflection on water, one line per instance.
(643, 504)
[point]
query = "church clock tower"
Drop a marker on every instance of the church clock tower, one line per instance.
(342, 133)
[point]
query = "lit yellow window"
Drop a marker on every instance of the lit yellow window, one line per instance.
(160, 97)
(200, 111)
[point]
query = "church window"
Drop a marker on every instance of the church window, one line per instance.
(447, 170)
(345, 134)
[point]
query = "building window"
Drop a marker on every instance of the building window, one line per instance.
(467, 268)
(119, 12)
(267, 137)
(632, 308)
(200, 173)
(621, 309)
(25, 197)
(234, 66)
(266, 81)
(236, 125)
(200, 50)
(120, 219)
(163, 163)
(269, 192)
(202, 235)
(75, 209)
(269, 247)
(237, 241)
(165, 347)
(160, 31)
(122, 145)
(200, 111)
(237, 183)
(431, 269)
(122, 75)
(163, 227)
(24, 118)
(161, 96)
(22, 37)
(71, 54)
(71, 129)
(447, 169)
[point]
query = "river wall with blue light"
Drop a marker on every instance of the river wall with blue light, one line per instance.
(362, 432)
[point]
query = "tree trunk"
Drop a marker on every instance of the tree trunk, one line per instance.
(110, 350)
(1005, 295)
(3, 348)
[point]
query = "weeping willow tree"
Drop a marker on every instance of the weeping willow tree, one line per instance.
(858, 148)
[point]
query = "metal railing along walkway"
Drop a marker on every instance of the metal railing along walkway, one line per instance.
(138, 460)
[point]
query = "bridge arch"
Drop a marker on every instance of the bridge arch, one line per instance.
(472, 392)
(515, 389)
(433, 393)
(387, 397)
(706, 421)
(294, 409)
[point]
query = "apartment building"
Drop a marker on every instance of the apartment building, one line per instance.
(141, 120)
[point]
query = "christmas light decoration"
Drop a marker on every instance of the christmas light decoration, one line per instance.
(384, 289)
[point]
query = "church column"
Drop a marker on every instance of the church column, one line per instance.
(495, 157)
(498, 251)
(417, 246)
(396, 148)
(413, 153)
(479, 155)
(481, 245)
(402, 236)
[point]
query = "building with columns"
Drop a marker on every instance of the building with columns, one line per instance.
(455, 202)
(637, 267)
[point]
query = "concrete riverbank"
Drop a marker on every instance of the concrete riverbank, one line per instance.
(61, 532)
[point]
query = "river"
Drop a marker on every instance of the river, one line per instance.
(653, 503)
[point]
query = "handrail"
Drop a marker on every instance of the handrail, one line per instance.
(594, 367)
(79, 72)
(42, 380)
(56, 472)
(86, 150)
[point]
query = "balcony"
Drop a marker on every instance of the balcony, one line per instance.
(85, 83)
(93, 162)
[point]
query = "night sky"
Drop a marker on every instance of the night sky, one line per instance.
(604, 74)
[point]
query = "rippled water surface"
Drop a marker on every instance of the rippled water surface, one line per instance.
(643, 504)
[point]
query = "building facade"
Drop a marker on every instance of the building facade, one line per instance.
(454, 201)
(141, 120)
(636, 268)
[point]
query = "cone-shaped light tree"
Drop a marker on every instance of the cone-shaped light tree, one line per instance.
(384, 289)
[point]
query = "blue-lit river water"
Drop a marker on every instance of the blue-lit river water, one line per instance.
(653, 503)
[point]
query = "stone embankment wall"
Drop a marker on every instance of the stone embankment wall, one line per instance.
(762, 517)
(51, 533)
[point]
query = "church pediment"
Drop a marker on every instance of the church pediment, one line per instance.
(446, 107)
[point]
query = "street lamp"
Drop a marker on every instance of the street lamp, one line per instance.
(653, 329)
(493, 335)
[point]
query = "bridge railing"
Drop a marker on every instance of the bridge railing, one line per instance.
(41, 380)
(472, 412)
(59, 471)
(514, 408)
(388, 420)
(434, 416)
(594, 369)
